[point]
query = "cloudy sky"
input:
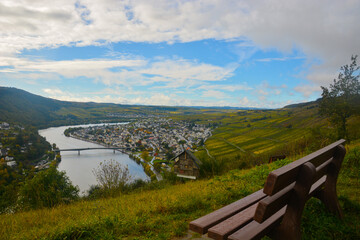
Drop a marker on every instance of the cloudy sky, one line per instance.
(258, 53)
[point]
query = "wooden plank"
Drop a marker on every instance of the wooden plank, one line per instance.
(317, 185)
(282, 177)
(272, 204)
(255, 230)
(222, 230)
(201, 225)
(322, 169)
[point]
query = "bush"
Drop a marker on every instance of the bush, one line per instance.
(47, 189)
(112, 177)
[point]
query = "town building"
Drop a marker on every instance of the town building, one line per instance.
(186, 165)
(4, 126)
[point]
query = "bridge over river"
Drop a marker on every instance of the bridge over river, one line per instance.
(85, 149)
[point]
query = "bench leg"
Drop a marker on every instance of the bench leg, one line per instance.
(328, 194)
(290, 227)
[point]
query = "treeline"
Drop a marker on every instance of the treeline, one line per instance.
(26, 147)
(25, 144)
(69, 131)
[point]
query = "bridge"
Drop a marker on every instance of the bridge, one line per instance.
(85, 149)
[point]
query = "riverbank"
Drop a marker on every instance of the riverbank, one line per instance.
(79, 168)
(142, 161)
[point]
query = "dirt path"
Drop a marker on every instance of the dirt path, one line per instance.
(232, 144)
(208, 153)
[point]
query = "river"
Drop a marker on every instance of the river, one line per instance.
(79, 168)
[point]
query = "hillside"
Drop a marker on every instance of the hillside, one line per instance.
(243, 138)
(19, 106)
(165, 211)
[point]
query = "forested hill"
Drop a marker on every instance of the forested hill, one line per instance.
(304, 104)
(19, 106)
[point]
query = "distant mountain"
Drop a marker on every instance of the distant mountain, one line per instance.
(19, 106)
(229, 108)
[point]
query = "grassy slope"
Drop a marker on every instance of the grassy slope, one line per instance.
(165, 213)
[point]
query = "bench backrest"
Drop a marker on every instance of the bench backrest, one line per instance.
(300, 179)
(284, 176)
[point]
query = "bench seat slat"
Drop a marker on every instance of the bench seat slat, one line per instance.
(201, 225)
(282, 177)
(255, 230)
(222, 230)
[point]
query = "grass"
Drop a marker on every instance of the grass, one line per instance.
(164, 213)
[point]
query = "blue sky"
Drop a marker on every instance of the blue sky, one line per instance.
(184, 53)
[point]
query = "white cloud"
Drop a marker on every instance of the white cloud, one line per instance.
(261, 92)
(325, 29)
(244, 102)
(307, 90)
(214, 94)
(22, 64)
(321, 29)
(278, 59)
(75, 97)
(230, 88)
(53, 92)
(129, 72)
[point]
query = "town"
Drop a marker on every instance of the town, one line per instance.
(25, 146)
(160, 137)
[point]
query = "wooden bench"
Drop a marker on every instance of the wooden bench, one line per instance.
(276, 210)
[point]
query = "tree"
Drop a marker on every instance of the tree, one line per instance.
(47, 188)
(145, 155)
(342, 99)
(112, 176)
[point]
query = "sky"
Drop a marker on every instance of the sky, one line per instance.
(258, 53)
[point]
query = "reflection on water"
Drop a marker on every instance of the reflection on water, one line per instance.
(79, 168)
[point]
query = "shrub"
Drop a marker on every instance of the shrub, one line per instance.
(47, 189)
(112, 177)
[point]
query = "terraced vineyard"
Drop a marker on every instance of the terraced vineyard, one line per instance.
(259, 131)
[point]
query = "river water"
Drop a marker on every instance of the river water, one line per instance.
(79, 168)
